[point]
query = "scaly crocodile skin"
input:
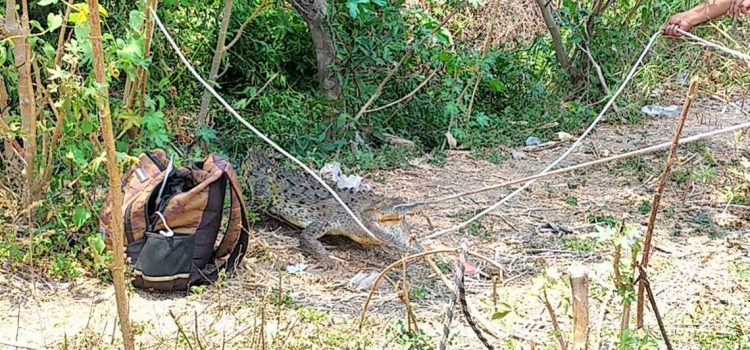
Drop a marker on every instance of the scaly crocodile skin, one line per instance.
(295, 196)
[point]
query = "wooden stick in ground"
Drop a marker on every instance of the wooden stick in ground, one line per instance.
(118, 263)
(579, 284)
(657, 197)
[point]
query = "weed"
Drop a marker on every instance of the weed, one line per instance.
(285, 300)
(645, 207)
(679, 177)
(742, 269)
(572, 201)
(584, 245)
(408, 340)
(607, 220)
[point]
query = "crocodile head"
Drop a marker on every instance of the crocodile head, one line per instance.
(389, 224)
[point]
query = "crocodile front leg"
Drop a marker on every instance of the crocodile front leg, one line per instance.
(309, 242)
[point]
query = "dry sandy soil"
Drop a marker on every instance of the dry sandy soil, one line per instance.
(700, 269)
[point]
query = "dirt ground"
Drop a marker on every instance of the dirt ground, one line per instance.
(700, 268)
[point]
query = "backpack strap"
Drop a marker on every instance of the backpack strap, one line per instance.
(236, 236)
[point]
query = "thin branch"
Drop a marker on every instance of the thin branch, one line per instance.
(258, 11)
(409, 95)
(643, 278)
(657, 197)
(180, 330)
(61, 38)
(462, 295)
(116, 226)
(553, 317)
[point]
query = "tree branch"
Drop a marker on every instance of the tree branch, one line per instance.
(249, 19)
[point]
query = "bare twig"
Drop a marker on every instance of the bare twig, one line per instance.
(553, 317)
(409, 95)
(462, 295)
(657, 197)
(258, 11)
(643, 279)
(180, 331)
(61, 38)
(449, 310)
(116, 227)
(616, 157)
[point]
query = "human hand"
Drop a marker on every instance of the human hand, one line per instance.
(739, 7)
(679, 21)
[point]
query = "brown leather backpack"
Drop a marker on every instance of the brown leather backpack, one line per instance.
(171, 227)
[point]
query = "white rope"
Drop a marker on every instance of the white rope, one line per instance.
(563, 156)
(253, 129)
(168, 232)
(714, 45)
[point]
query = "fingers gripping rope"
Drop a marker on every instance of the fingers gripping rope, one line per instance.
(263, 137)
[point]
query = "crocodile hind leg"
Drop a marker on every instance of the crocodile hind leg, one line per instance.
(309, 242)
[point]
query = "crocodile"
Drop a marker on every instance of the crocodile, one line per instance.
(293, 195)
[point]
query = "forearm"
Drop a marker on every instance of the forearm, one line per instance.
(708, 11)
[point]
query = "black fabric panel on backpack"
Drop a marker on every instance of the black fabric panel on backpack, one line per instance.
(164, 257)
(208, 229)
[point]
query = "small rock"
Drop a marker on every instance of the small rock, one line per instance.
(564, 136)
(517, 155)
(533, 141)
(661, 111)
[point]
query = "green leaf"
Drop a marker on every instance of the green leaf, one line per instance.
(54, 21)
(483, 120)
(3, 55)
(153, 120)
(46, 2)
(132, 51)
(136, 20)
(80, 216)
(353, 6)
(96, 243)
(206, 134)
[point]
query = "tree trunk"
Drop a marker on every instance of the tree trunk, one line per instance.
(102, 102)
(216, 62)
(22, 57)
(562, 56)
(314, 14)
